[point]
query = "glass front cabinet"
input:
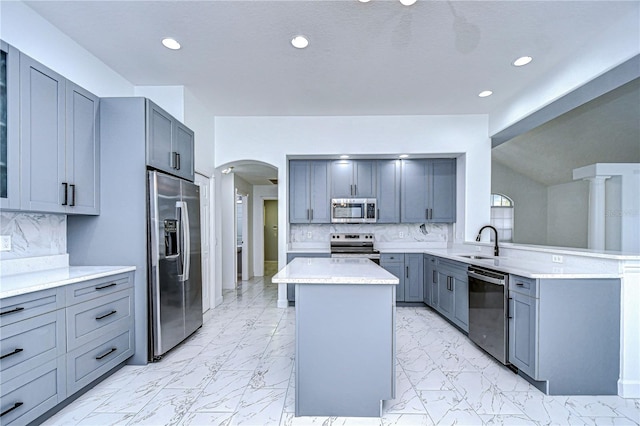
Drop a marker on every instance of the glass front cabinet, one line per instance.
(9, 122)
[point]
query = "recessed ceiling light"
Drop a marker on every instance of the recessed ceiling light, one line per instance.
(299, 42)
(523, 60)
(485, 93)
(344, 157)
(407, 2)
(364, 1)
(404, 155)
(171, 43)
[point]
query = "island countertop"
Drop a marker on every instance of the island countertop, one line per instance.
(308, 270)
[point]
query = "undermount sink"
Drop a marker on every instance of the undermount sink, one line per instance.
(473, 256)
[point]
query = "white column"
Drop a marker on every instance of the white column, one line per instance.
(596, 212)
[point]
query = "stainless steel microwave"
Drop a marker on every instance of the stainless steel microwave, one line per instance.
(354, 210)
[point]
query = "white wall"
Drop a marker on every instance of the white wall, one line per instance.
(21, 27)
(615, 45)
(245, 188)
(260, 193)
(169, 98)
(226, 201)
(568, 214)
(530, 203)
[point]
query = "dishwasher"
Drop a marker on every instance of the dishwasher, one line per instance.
(488, 306)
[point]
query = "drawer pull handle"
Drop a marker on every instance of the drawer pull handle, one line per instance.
(520, 284)
(16, 405)
(17, 351)
(106, 315)
(107, 353)
(105, 286)
(12, 311)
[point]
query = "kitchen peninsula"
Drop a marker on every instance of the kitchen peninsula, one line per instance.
(345, 335)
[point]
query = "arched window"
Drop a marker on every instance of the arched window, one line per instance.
(502, 216)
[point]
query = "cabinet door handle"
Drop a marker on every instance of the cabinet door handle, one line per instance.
(308, 214)
(106, 315)
(430, 214)
(73, 195)
(105, 286)
(13, 311)
(178, 158)
(509, 310)
(311, 214)
(355, 189)
(426, 214)
(520, 284)
(434, 277)
(16, 405)
(66, 187)
(377, 214)
(16, 351)
(407, 271)
(107, 353)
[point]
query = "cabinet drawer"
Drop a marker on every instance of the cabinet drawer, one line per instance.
(32, 394)
(18, 308)
(391, 257)
(89, 320)
(30, 343)
(87, 290)
(523, 285)
(89, 362)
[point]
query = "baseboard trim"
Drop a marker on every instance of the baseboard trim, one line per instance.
(629, 388)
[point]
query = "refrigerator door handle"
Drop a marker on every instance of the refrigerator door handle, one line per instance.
(184, 239)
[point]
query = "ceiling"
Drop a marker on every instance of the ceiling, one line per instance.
(369, 58)
(605, 130)
(375, 58)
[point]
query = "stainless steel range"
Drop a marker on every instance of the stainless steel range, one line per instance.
(354, 245)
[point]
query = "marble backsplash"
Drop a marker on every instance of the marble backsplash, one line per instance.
(383, 233)
(33, 234)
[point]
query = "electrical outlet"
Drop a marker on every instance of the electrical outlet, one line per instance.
(309, 234)
(401, 234)
(5, 243)
(557, 258)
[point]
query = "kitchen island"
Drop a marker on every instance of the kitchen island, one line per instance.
(345, 336)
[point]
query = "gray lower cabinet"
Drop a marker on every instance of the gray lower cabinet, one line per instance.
(394, 263)
(291, 288)
(169, 143)
(388, 191)
(309, 195)
(408, 268)
(428, 191)
(430, 281)
(450, 295)
(414, 277)
(565, 334)
(59, 143)
(55, 342)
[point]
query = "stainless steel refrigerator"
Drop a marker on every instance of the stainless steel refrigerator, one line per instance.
(175, 274)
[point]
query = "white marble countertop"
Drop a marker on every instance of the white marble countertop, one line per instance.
(305, 270)
(522, 267)
(17, 284)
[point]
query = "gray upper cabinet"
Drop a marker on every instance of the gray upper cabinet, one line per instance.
(42, 142)
(59, 143)
(9, 130)
(388, 191)
(169, 144)
(353, 178)
(428, 191)
(82, 150)
(309, 192)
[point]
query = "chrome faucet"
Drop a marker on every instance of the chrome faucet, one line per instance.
(496, 250)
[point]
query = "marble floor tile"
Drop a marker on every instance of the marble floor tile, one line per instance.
(406, 400)
(506, 419)
(272, 372)
(480, 393)
(168, 407)
(390, 419)
(448, 408)
(543, 409)
(208, 419)
(106, 419)
(134, 396)
(224, 391)
(80, 408)
(261, 407)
